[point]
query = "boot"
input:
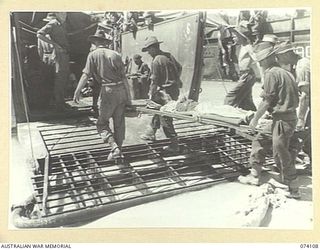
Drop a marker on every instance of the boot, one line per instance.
(150, 135)
(307, 168)
(115, 153)
(250, 179)
(294, 194)
(115, 150)
(173, 147)
(94, 111)
(294, 191)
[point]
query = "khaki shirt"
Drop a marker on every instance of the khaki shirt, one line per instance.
(105, 66)
(281, 92)
(164, 68)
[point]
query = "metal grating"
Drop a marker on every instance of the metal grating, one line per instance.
(79, 176)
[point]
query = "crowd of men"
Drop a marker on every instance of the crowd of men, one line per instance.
(286, 89)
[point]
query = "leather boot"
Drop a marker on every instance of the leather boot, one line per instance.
(294, 191)
(94, 111)
(150, 135)
(250, 179)
(115, 150)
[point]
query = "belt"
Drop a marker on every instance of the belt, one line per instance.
(291, 116)
(168, 84)
(112, 84)
(246, 71)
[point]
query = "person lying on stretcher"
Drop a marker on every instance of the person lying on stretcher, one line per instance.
(225, 113)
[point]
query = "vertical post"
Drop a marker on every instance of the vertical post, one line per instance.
(198, 64)
(21, 108)
(292, 38)
(45, 191)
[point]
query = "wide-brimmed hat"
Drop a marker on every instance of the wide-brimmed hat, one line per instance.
(106, 24)
(263, 50)
(50, 16)
(284, 47)
(100, 35)
(151, 40)
(270, 38)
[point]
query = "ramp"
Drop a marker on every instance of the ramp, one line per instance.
(80, 184)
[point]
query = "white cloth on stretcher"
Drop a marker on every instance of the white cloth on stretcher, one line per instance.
(222, 110)
(207, 108)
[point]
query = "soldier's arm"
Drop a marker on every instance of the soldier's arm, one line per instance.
(269, 95)
(240, 37)
(303, 107)
(86, 74)
(155, 71)
(82, 82)
(145, 70)
(40, 49)
(262, 109)
(220, 42)
(303, 79)
(46, 30)
(46, 39)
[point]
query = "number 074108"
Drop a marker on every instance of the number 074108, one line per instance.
(304, 245)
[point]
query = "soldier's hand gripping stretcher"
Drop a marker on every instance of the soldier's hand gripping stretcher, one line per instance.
(250, 130)
(262, 126)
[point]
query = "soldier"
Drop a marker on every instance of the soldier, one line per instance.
(107, 68)
(54, 33)
(143, 68)
(106, 27)
(227, 53)
(142, 75)
(280, 98)
(300, 68)
(240, 96)
(165, 76)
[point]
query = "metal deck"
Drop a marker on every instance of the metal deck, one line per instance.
(79, 176)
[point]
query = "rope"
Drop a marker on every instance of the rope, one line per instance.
(23, 91)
